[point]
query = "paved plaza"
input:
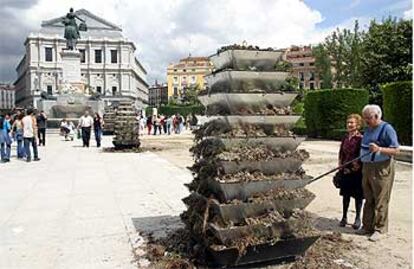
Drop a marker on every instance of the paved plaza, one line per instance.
(83, 208)
(74, 208)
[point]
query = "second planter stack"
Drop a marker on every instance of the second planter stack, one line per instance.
(247, 196)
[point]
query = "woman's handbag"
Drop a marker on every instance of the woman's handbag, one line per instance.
(338, 179)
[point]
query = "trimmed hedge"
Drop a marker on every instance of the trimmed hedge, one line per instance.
(397, 106)
(326, 110)
(182, 110)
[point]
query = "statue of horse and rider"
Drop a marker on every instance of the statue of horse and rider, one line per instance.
(72, 29)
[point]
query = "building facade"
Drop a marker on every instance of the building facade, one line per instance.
(158, 94)
(303, 66)
(189, 72)
(108, 63)
(6, 97)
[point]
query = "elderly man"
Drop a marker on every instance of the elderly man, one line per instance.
(381, 140)
(86, 123)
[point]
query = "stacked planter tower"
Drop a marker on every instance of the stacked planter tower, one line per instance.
(109, 119)
(126, 127)
(247, 197)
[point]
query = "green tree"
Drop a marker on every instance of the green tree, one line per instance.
(323, 66)
(387, 54)
(283, 66)
(345, 48)
(190, 95)
(354, 66)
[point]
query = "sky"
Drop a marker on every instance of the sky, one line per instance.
(165, 31)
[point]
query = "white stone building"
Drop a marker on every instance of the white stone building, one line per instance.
(108, 63)
(6, 97)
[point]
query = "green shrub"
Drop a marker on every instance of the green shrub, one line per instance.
(397, 106)
(336, 134)
(326, 110)
(300, 127)
(298, 107)
(311, 112)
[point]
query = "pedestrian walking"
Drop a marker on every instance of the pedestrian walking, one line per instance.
(142, 122)
(181, 121)
(29, 136)
(174, 123)
(41, 120)
(380, 139)
(149, 124)
(85, 123)
(97, 126)
(5, 139)
(168, 124)
(157, 124)
(164, 123)
(351, 175)
(17, 130)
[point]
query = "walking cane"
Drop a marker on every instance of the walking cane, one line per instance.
(337, 168)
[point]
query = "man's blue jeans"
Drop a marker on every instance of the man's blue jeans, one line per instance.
(20, 148)
(5, 145)
(27, 142)
(98, 137)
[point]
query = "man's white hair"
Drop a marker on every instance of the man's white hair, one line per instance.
(372, 110)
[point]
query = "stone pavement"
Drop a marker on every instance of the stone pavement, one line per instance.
(76, 207)
(82, 208)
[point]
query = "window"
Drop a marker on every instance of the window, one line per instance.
(175, 70)
(175, 91)
(301, 76)
(311, 64)
(49, 54)
(301, 85)
(49, 89)
(311, 76)
(312, 86)
(114, 56)
(114, 90)
(193, 79)
(194, 70)
(184, 70)
(98, 56)
(175, 79)
(98, 89)
(301, 64)
(82, 52)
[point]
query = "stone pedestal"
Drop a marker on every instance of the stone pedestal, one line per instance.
(71, 66)
(73, 98)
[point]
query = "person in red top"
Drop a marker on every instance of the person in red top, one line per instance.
(351, 185)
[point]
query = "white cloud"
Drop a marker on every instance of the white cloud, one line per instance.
(408, 14)
(353, 4)
(165, 31)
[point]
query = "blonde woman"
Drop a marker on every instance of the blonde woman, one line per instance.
(351, 185)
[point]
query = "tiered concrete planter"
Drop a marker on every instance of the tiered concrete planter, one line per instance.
(247, 197)
(126, 127)
(109, 119)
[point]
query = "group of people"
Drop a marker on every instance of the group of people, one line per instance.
(367, 162)
(85, 124)
(368, 172)
(168, 124)
(27, 129)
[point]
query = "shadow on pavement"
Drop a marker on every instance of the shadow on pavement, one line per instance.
(157, 226)
(331, 225)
